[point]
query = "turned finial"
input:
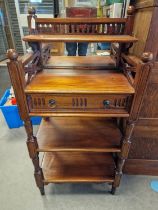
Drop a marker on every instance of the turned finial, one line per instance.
(12, 54)
(147, 56)
(31, 11)
(130, 10)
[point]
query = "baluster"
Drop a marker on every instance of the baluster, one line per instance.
(130, 20)
(122, 28)
(63, 28)
(118, 31)
(78, 28)
(83, 28)
(108, 28)
(103, 28)
(72, 29)
(53, 28)
(98, 27)
(93, 28)
(58, 28)
(113, 29)
(50, 28)
(45, 28)
(39, 28)
(69, 28)
(88, 29)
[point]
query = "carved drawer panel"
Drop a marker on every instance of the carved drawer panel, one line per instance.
(78, 103)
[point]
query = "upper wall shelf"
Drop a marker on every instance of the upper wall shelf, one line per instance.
(80, 38)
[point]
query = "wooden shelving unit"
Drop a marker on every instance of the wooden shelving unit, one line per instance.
(94, 102)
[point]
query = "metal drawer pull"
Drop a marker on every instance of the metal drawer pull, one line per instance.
(52, 103)
(106, 104)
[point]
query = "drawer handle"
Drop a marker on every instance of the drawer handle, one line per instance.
(52, 103)
(106, 103)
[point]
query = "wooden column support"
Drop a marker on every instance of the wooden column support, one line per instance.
(130, 20)
(17, 75)
(142, 77)
(32, 148)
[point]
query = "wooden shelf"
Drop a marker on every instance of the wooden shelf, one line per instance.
(79, 38)
(78, 167)
(81, 62)
(80, 81)
(79, 134)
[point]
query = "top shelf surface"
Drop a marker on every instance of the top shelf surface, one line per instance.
(80, 38)
(80, 81)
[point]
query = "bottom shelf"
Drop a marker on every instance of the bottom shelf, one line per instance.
(77, 167)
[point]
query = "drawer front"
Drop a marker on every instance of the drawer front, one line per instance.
(78, 103)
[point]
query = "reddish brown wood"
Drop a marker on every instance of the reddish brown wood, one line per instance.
(17, 76)
(80, 20)
(78, 167)
(25, 59)
(78, 134)
(80, 38)
(69, 81)
(130, 20)
(51, 104)
(141, 166)
(80, 25)
(80, 145)
(82, 62)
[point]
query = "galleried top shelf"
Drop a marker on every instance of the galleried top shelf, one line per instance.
(80, 38)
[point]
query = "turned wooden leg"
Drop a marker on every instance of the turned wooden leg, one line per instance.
(32, 148)
(126, 143)
(42, 190)
(113, 190)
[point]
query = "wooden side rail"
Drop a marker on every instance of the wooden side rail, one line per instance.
(25, 59)
(132, 66)
(97, 26)
(80, 26)
(143, 70)
(33, 62)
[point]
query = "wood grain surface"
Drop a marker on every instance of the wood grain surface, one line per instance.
(79, 38)
(79, 134)
(79, 81)
(78, 62)
(78, 167)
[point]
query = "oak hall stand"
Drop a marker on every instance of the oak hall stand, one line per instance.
(89, 104)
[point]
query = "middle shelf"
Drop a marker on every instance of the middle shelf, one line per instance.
(65, 134)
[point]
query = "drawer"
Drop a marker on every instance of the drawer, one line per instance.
(48, 103)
